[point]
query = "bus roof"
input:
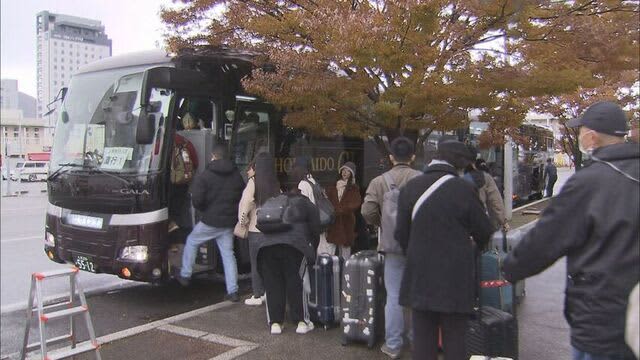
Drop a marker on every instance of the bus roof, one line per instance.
(149, 57)
(159, 57)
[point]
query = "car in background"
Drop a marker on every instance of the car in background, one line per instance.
(30, 171)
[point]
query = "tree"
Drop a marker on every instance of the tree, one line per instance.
(362, 66)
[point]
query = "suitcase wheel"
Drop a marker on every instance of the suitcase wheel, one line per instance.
(371, 343)
(344, 341)
(325, 327)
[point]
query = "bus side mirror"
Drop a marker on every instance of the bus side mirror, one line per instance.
(146, 129)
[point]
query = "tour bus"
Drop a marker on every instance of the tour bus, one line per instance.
(109, 189)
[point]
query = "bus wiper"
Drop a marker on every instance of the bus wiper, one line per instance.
(65, 167)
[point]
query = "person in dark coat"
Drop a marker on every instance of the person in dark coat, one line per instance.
(550, 176)
(283, 256)
(595, 222)
(215, 193)
(346, 200)
(439, 283)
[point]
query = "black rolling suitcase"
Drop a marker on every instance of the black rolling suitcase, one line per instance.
(493, 333)
(363, 298)
(324, 299)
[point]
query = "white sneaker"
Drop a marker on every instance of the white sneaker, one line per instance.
(254, 301)
(304, 327)
(276, 329)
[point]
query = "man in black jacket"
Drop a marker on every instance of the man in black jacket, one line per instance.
(436, 234)
(594, 222)
(215, 194)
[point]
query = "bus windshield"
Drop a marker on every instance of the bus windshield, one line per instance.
(98, 121)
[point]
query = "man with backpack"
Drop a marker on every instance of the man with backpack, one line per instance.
(379, 209)
(215, 194)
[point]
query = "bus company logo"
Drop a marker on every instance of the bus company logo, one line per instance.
(318, 163)
(132, 192)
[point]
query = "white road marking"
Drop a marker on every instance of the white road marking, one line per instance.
(22, 238)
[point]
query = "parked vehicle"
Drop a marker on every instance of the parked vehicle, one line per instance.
(30, 171)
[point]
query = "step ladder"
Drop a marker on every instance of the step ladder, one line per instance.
(70, 308)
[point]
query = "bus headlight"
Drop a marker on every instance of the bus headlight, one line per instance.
(138, 253)
(49, 239)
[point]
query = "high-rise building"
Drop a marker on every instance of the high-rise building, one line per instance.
(8, 94)
(64, 44)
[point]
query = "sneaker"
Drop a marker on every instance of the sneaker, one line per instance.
(253, 301)
(233, 297)
(173, 226)
(184, 281)
(392, 353)
(276, 329)
(304, 327)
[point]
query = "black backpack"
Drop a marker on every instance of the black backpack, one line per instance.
(325, 207)
(271, 217)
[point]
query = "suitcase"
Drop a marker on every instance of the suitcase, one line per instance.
(493, 333)
(363, 298)
(324, 298)
(513, 238)
(495, 291)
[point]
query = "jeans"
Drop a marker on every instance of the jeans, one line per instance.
(394, 327)
(581, 355)
(224, 239)
(325, 247)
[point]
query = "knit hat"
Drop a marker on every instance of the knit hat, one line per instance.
(351, 167)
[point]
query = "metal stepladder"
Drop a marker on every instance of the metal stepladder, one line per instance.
(69, 312)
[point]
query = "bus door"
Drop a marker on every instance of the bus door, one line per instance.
(256, 127)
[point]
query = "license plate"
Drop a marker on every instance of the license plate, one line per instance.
(84, 263)
(84, 221)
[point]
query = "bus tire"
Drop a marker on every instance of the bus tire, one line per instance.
(33, 177)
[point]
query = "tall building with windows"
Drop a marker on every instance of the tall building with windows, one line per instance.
(64, 44)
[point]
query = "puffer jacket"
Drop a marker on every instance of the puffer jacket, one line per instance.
(595, 222)
(216, 192)
(304, 234)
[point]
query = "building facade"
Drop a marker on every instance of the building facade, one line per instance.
(64, 44)
(9, 94)
(20, 135)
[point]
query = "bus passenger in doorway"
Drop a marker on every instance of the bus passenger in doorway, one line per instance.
(184, 163)
(346, 200)
(215, 194)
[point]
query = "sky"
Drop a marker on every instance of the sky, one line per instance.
(131, 25)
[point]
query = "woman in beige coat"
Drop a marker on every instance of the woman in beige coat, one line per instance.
(247, 218)
(489, 195)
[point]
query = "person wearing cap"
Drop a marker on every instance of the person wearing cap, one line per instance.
(401, 157)
(594, 223)
(345, 197)
(438, 213)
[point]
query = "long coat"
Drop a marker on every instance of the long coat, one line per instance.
(439, 275)
(343, 230)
